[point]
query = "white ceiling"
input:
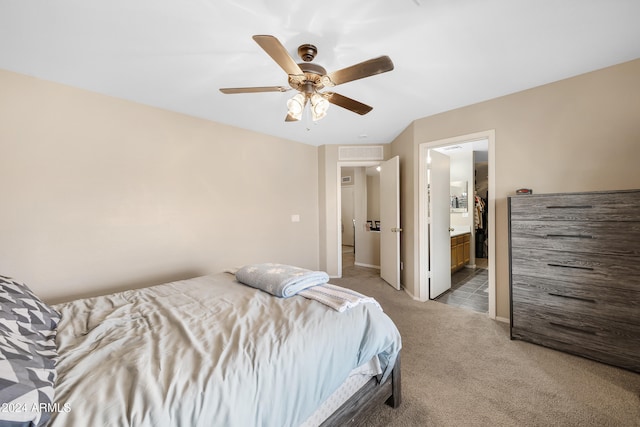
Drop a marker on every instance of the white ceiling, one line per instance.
(447, 53)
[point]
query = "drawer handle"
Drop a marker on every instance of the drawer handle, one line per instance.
(571, 328)
(577, 267)
(572, 297)
(571, 207)
(571, 236)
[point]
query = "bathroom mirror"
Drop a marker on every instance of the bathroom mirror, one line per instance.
(459, 196)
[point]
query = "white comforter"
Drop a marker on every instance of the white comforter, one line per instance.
(209, 352)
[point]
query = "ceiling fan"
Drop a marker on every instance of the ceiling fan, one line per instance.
(308, 79)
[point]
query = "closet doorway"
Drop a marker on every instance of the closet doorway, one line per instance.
(478, 175)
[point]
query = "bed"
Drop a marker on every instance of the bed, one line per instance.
(202, 352)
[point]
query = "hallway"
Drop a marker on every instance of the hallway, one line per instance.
(469, 286)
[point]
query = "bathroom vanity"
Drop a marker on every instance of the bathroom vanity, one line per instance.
(460, 249)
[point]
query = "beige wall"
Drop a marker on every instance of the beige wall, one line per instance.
(100, 194)
(579, 134)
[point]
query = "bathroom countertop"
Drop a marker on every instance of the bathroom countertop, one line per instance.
(458, 233)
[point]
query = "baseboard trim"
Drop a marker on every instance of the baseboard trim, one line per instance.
(502, 319)
(360, 264)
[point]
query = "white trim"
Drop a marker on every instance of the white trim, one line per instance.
(420, 234)
(502, 319)
(360, 264)
(411, 295)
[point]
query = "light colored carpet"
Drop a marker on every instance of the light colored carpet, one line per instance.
(459, 368)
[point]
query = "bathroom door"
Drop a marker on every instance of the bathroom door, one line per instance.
(439, 223)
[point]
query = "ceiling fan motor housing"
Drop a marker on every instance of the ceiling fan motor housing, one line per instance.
(313, 74)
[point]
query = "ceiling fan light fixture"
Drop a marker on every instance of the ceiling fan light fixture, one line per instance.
(296, 105)
(319, 107)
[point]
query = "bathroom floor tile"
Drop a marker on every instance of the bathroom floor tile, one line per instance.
(469, 289)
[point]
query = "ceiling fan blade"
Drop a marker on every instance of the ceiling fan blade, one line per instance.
(277, 51)
(361, 70)
(230, 90)
(348, 103)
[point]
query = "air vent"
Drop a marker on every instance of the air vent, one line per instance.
(361, 153)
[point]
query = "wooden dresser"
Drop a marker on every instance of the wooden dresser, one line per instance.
(575, 273)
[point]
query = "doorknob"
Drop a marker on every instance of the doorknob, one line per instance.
(396, 230)
(451, 229)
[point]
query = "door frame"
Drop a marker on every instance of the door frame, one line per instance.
(340, 165)
(423, 244)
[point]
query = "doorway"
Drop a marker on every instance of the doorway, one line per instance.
(359, 208)
(487, 254)
(376, 216)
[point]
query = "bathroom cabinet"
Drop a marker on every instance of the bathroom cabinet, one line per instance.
(460, 251)
(575, 273)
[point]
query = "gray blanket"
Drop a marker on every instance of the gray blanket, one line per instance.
(279, 279)
(209, 352)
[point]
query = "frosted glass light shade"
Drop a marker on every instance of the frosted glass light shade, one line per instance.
(319, 106)
(296, 105)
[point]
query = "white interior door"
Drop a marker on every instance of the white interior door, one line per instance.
(348, 235)
(390, 221)
(439, 223)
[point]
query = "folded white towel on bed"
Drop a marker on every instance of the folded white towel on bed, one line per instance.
(337, 297)
(279, 279)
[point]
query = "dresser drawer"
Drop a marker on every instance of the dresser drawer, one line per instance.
(609, 206)
(585, 302)
(560, 323)
(615, 351)
(612, 238)
(602, 270)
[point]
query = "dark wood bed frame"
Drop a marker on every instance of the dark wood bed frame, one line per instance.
(370, 395)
